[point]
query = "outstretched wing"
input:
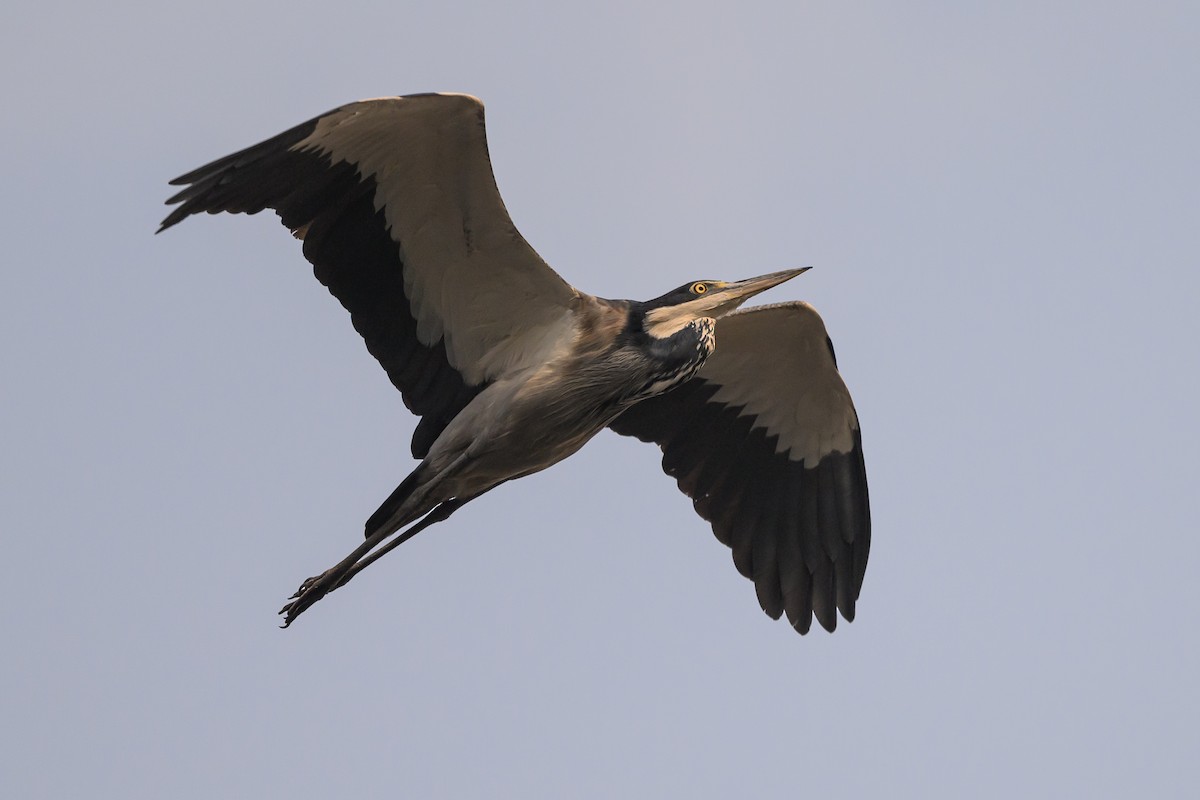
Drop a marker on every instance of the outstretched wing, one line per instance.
(765, 441)
(400, 216)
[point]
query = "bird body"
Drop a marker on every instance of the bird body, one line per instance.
(511, 369)
(608, 359)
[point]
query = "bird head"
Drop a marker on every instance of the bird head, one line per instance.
(668, 314)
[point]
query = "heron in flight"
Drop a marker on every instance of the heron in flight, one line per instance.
(511, 369)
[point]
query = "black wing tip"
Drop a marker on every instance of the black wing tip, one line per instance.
(171, 220)
(176, 215)
(198, 184)
(830, 548)
(771, 605)
(803, 626)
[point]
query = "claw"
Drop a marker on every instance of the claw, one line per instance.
(310, 591)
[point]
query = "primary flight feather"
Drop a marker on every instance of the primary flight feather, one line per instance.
(511, 369)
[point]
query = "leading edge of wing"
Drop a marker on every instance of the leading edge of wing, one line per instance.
(471, 278)
(401, 218)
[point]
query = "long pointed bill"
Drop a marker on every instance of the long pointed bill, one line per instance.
(728, 297)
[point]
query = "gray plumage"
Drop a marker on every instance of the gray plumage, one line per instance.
(512, 369)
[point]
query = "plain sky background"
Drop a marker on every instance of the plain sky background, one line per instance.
(1002, 205)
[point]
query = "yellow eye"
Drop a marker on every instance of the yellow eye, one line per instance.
(699, 288)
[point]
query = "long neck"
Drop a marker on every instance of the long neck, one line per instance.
(694, 342)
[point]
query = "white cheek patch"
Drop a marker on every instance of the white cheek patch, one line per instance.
(663, 323)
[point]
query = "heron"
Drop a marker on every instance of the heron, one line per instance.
(510, 369)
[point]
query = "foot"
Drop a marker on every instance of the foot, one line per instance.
(310, 591)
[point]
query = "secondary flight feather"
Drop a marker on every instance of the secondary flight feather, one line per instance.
(511, 369)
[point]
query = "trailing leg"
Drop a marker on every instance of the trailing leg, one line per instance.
(409, 502)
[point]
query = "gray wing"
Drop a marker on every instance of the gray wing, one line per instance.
(766, 442)
(401, 218)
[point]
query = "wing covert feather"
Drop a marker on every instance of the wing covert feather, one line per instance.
(471, 278)
(401, 218)
(765, 441)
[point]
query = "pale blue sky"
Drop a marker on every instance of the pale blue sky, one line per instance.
(1002, 206)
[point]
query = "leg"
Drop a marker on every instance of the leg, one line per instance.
(313, 589)
(439, 514)
(317, 587)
